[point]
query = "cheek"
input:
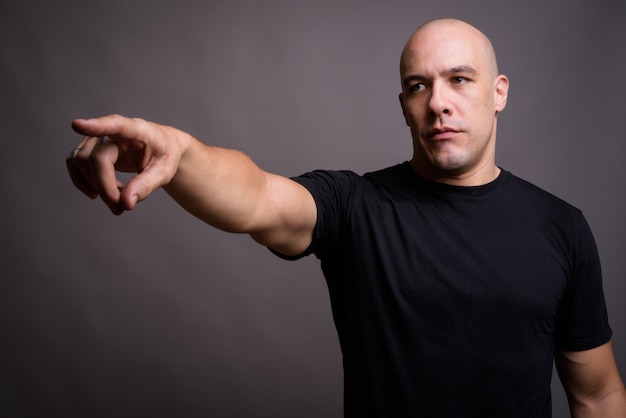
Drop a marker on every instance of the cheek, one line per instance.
(417, 112)
(481, 110)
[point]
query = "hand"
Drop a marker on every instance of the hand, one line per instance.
(115, 143)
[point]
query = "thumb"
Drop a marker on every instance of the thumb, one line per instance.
(137, 189)
(143, 185)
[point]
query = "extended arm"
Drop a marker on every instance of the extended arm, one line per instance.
(222, 187)
(592, 382)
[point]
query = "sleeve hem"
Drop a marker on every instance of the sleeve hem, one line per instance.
(588, 343)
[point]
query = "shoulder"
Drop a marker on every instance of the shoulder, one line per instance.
(395, 174)
(535, 196)
(321, 178)
(320, 181)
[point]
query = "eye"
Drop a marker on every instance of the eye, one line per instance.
(459, 80)
(417, 87)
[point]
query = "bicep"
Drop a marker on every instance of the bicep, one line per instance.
(286, 217)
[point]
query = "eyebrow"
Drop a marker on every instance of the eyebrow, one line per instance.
(463, 69)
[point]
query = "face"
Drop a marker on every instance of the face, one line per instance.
(451, 94)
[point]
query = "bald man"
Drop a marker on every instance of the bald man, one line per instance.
(454, 284)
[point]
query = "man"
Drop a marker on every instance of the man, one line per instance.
(453, 283)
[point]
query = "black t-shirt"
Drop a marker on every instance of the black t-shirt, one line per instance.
(449, 301)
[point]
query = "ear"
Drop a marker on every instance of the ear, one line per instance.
(401, 98)
(501, 92)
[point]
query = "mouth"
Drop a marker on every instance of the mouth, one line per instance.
(441, 134)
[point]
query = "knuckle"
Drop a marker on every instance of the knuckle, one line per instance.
(144, 190)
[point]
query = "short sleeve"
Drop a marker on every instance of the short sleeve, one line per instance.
(332, 192)
(582, 321)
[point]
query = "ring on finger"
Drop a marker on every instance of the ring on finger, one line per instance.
(75, 152)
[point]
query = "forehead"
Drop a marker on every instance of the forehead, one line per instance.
(438, 49)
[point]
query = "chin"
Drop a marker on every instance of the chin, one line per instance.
(452, 164)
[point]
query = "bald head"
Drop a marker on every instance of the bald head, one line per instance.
(441, 32)
(451, 95)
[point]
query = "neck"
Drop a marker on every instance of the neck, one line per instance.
(475, 177)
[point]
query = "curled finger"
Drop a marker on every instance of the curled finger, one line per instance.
(102, 170)
(78, 167)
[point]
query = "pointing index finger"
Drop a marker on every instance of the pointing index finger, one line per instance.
(114, 126)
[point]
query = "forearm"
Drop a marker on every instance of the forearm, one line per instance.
(609, 405)
(222, 187)
(592, 382)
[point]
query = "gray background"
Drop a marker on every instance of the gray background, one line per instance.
(155, 314)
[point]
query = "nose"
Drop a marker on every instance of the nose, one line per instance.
(438, 103)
